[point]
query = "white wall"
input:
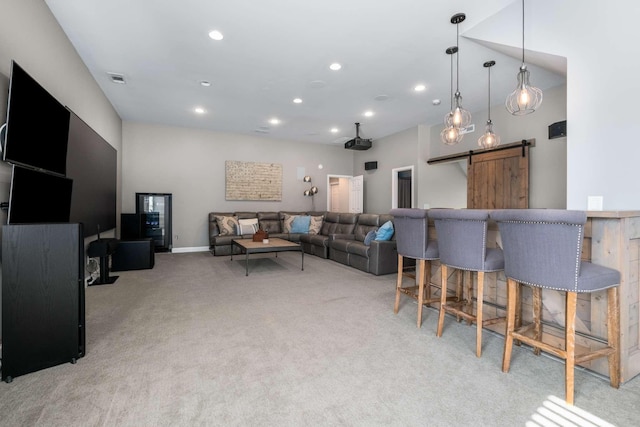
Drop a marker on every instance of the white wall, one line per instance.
(190, 164)
(31, 36)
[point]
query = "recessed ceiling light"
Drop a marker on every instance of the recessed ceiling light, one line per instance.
(436, 102)
(419, 88)
(216, 35)
(205, 83)
(274, 121)
(297, 101)
(335, 130)
(335, 66)
(382, 98)
(199, 110)
(368, 113)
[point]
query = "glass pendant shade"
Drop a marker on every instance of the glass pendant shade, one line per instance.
(451, 135)
(489, 139)
(526, 98)
(458, 117)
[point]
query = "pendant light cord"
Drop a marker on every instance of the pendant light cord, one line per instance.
(451, 86)
(522, 32)
(458, 58)
(489, 97)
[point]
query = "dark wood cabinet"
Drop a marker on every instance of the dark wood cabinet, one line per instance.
(42, 297)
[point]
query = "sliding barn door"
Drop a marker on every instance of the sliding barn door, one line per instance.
(499, 179)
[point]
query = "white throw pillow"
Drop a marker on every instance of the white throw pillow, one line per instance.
(247, 226)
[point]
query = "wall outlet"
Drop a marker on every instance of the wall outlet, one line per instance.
(595, 203)
(175, 237)
(426, 206)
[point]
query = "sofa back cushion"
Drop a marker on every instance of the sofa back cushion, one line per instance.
(366, 223)
(329, 223)
(347, 223)
(269, 222)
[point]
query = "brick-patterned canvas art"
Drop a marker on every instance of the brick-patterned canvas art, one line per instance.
(253, 181)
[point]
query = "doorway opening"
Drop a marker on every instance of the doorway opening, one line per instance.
(402, 187)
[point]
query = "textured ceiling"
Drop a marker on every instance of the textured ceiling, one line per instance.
(276, 50)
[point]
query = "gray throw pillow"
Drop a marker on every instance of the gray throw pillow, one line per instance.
(371, 235)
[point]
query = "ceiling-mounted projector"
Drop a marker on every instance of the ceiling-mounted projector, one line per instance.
(358, 143)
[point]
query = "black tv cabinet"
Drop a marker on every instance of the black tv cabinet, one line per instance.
(43, 314)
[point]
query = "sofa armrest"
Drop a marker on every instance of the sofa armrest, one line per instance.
(383, 257)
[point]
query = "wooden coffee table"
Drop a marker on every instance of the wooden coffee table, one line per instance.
(248, 246)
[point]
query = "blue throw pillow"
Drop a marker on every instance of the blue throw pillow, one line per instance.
(385, 232)
(300, 224)
(369, 237)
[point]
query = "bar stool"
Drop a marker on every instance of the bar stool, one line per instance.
(411, 230)
(542, 249)
(462, 239)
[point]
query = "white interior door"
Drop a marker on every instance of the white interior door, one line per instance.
(356, 194)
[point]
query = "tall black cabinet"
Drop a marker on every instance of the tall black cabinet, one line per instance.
(43, 318)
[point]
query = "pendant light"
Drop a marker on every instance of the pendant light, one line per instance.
(458, 117)
(526, 98)
(451, 135)
(489, 139)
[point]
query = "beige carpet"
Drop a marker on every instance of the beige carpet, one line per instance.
(195, 342)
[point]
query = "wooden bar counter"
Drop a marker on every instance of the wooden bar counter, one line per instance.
(612, 239)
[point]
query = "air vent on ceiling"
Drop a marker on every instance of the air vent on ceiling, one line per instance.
(117, 78)
(469, 129)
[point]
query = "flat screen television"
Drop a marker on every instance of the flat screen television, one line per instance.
(37, 125)
(38, 197)
(92, 163)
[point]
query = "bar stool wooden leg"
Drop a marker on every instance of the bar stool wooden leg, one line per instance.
(613, 335)
(537, 316)
(468, 279)
(511, 315)
(480, 295)
(427, 283)
(420, 268)
(443, 298)
(518, 314)
(570, 340)
(398, 284)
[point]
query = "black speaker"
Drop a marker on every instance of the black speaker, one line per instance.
(558, 129)
(130, 226)
(370, 166)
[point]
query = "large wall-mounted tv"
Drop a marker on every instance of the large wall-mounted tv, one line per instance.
(37, 125)
(92, 164)
(38, 197)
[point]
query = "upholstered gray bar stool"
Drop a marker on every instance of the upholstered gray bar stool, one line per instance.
(542, 249)
(412, 238)
(462, 239)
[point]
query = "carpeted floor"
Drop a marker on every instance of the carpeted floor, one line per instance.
(195, 342)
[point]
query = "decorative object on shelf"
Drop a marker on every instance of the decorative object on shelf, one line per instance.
(311, 191)
(260, 236)
(526, 98)
(458, 117)
(489, 139)
(451, 135)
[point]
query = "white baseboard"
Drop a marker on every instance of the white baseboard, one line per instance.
(193, 249)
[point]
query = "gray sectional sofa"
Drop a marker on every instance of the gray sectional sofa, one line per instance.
(341, 238)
